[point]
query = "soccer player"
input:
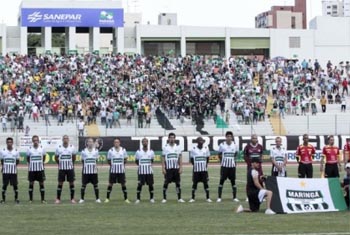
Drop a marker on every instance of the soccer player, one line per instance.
(36, 156)
(199, 157)
(227, 156)
(65, 156)
(117, 157)
(144, 159)
(89, 157)
(278, 156)
(330, 156)
(9, 161)
(255, 190)
(346, 151)
(172, 166)
(305, 154)
(253, 150)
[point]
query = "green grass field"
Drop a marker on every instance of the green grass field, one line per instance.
(118, 217)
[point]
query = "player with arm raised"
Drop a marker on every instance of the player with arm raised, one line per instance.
(36, 157)
(9, 160)
(172, 167)
(65, 156)
(199, 157)
(117, 157)
(144, 158)
(89, 157)
(227, 156)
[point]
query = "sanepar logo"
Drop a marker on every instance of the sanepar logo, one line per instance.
(35, 16)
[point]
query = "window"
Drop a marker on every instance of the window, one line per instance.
(328, 7)
(293, 22)
(294, 42)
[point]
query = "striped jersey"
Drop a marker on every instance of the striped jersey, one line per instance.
(9, 159)
(228, 154)
(117, 158)
(331, 153)
(145, 161)
(65, 157)
(171, 155)
(200, 157)
(90, 158)
(279, 155)
(36, 158)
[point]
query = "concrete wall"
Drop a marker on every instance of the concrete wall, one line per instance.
(13, 39)
(279, 43)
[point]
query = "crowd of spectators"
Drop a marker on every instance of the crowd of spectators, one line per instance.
(54, 89)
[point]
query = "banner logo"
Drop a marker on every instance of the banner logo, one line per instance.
(305, 200)
(34, 17)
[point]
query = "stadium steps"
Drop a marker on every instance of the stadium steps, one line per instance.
(275, 120)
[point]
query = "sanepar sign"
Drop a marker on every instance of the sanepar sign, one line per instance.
(77, 17)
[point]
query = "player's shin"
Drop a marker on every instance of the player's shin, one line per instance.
(125, 192)
(151, 191)
(109, 190)
(97, 192)
(72, 191)
(206, 188)
(178, 191)
(59, 191)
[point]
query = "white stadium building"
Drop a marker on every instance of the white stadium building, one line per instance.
(88, 27)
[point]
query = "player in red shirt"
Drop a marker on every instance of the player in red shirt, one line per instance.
(304, 155)
(331, 156)
(346, 151)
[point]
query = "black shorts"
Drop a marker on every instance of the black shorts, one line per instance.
(36, 176)
(172, 175)
(89, 178)
(117, 178)
(9, 178)
(305, 170)
(145, 179)
(201, 176)
(254, 202)
(66, 175)
(228, 173)
(331, 171)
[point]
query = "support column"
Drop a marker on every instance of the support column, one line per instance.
(120, 40)
(24, 41)
(183, 46)
(227, 44)
(70, 39)
(94, 39)
(138, 41)
(46, 38)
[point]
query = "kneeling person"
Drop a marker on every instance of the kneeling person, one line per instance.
(255, 191)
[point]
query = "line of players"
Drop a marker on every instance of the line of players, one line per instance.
(65, 157)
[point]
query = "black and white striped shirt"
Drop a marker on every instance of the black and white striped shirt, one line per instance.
(228, 154)
(90, 158)
(200, 157)
(9, 159)
(36, 158)
(65, 157)
(145, 161)
(117, 158)
(171, 155)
